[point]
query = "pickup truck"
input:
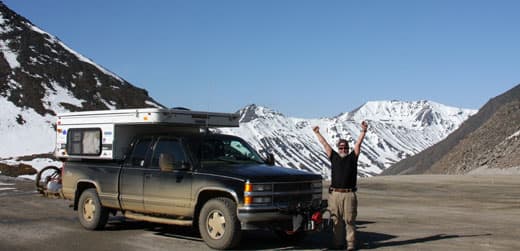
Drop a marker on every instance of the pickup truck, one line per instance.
(215, 183)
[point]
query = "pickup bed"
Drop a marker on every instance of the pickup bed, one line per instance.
(213, 182)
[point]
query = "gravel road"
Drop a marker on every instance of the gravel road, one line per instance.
(425, 212)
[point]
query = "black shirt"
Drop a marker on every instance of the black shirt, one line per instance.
(344, 170)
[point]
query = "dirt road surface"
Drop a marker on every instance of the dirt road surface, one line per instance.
(395, 213)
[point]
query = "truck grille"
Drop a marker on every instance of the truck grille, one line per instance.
(283, 194)
(292, 187)
(292, 193)
(291, 199)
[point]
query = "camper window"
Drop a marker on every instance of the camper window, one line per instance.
(84, 141)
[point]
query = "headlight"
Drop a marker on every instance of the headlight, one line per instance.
(250, 187)
(262, 187)
(262, 200)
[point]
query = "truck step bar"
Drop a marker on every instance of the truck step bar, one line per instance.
(142, 217)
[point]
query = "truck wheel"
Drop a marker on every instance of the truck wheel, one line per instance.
(219, 225)
(92, 215)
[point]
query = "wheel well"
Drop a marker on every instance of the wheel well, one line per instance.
(204, 196)
(82, 186)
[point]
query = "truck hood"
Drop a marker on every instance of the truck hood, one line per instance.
(260, 173)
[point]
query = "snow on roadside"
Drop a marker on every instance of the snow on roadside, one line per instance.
(38, 164)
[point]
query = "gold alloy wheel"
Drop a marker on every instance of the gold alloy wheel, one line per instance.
(89, 209)
(216, 224)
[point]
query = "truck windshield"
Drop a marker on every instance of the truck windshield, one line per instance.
(226, 149)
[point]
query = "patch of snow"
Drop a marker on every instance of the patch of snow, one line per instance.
(10, 56)
(39, 164)
(35, 136)
(148, 102)
(53, 98)
(111, 105)
(3, 28)
(516, 134)
(13, 84)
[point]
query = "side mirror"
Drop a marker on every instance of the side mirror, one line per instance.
(270, 159)
(184, 165)
(166, 162)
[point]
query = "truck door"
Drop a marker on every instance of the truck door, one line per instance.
(132, 175)
(167, 182)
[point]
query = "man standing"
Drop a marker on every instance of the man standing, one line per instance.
(342, 198)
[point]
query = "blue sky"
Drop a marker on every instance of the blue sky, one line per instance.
(306, 59)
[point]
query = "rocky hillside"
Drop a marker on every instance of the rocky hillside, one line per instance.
(489, 139)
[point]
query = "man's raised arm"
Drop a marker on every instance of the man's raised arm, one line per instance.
(322, 140)
(357, 147)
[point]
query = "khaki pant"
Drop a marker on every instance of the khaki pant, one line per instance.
(343, 208)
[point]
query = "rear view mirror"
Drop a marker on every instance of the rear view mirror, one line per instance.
(270, 159)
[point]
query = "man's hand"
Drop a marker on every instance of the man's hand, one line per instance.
(316, 129)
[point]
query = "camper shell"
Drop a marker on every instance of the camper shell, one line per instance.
(107, 134)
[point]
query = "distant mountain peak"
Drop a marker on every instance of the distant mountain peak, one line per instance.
(254, 111)
(418, 113)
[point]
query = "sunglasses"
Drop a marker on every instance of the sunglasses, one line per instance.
(342, 148)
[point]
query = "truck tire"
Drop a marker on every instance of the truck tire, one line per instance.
(92, 215)
(219, 225)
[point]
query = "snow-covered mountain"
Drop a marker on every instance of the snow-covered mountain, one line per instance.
(397, 129)
(40, 76)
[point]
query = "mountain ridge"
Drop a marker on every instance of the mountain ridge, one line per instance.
(424, 161)
(293, 143)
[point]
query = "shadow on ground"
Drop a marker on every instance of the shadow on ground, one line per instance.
(375, 240)
(267, 240)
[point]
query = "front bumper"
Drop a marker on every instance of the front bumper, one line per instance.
(259, 218)
(273, 217)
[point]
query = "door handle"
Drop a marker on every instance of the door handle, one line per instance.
(148, 175)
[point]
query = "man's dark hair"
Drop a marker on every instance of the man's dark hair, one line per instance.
(342, 141)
